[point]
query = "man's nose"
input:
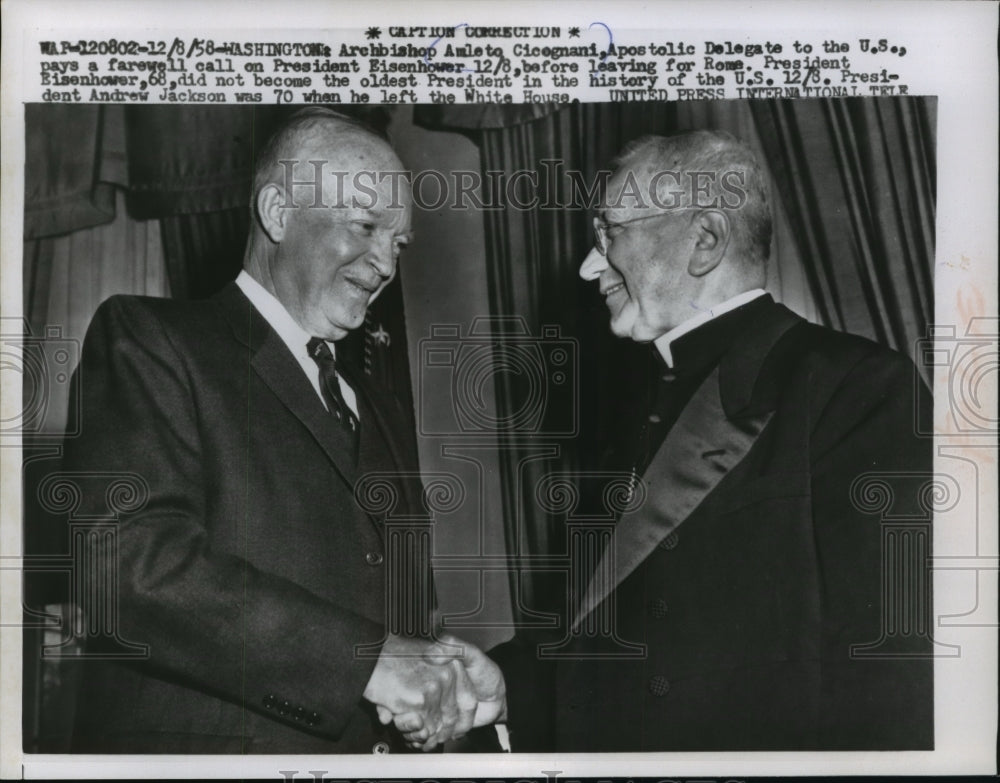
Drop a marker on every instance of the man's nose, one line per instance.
(383, 258)
(593, 264)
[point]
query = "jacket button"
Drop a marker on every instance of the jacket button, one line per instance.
(269, 702)
(670, 541)
(373, 558)
(658, 685)
(380, 748)
(284, 708)
(658, 608)
(314, 719)
(299, 713)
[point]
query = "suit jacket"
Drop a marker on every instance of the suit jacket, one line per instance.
(250, 571)
(748, 599)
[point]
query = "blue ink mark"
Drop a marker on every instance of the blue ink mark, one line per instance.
(427, 57)
(611, 38)
(702, 309)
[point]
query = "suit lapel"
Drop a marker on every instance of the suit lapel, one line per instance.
(278, 369)
(275, 365)
(701, 448)
(713, 434)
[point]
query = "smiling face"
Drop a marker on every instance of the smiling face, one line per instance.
(643, 273)
(330, 262)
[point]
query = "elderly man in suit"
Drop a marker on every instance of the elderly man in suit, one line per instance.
(251, 573)
(742, 576)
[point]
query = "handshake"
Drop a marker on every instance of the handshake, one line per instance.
(434, 691)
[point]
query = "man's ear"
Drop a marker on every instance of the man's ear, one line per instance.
(712, 234)
(272, 211)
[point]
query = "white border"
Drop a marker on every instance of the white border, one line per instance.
(958, 64)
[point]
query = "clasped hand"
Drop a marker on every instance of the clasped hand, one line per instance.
(434, 691)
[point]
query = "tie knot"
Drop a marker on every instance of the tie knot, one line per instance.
(319, 350)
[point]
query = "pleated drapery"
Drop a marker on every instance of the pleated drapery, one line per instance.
(858, 179)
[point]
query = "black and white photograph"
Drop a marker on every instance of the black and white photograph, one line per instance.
(490, 429)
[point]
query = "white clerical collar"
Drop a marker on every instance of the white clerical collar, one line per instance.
(704, 316)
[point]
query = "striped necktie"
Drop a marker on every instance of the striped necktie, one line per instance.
(329, 384)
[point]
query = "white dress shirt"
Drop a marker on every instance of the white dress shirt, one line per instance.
(703, 316)
(293, 336)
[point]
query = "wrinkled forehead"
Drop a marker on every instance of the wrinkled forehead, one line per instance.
(646, 183)
(355, 170)
(629, 188)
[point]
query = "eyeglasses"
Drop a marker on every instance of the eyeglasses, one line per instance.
(602, 227)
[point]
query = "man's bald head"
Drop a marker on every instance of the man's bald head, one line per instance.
(322, 134)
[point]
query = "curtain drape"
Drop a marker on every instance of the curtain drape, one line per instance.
(204, 251)
(858, 179)
(74, 159)
(66, 277)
